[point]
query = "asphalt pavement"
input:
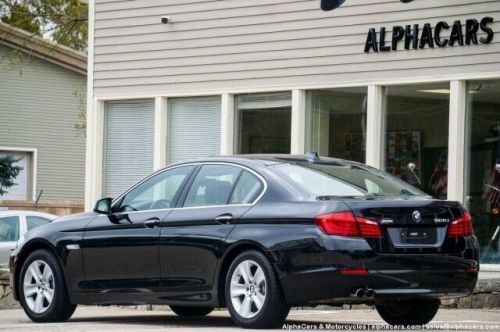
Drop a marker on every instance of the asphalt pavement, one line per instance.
(89, 318)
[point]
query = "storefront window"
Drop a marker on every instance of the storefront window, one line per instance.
(416, 132)
(263, 122)
(336, 123)
(482, 185)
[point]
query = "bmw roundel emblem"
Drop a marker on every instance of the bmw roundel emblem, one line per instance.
(417, 217)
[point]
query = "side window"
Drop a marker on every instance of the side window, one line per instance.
(9, 229)
(157, 192)
(247, 189)
(34, 221)
(212, 185)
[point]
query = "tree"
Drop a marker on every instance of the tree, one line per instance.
(61, 21)
(8, 172)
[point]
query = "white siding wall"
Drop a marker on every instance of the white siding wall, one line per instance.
(214, 45)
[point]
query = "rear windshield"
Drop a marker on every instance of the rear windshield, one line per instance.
(329, 180)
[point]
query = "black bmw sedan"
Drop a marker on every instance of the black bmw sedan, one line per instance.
(255, 234)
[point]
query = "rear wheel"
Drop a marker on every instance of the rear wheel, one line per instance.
(42, 289)
(408, 312)
(253, 292)
(182, 311)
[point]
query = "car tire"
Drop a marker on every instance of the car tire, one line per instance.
(253, 292)
(407, 313)
(42, 292)
(182, 311)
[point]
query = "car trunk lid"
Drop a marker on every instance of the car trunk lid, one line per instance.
(408, 225)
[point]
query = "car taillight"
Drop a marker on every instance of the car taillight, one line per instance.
(368, 228)
(461, 227)
(346, 224)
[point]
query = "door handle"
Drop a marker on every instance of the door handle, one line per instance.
(224, 218)
(152, 223)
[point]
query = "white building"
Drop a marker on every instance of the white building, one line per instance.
(361, 82)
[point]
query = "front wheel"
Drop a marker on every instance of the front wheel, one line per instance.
(42, 289)
(253, 292)
(183, 311)
(408, 312)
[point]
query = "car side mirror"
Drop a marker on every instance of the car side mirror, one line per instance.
(103, 206)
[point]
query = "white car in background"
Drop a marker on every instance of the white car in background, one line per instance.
(13, 225)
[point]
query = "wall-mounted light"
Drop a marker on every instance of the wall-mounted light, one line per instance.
(165, 19)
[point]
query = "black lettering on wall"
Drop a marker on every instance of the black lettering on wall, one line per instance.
(471, 29)
(472, 32)
(489, 33)
(411, 37)
(426, 37)
(456, 34)
(398, 34)
(328, 5)
(371, 41)
(437, 34)
(383, 47)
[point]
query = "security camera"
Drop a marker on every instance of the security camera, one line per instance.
(165, 19)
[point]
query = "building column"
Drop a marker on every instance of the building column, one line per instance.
(298, 122)
(94, 153)
(456, 140)
(161, 128)
(227, 125)
(375, 127)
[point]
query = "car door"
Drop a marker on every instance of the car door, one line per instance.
(120, 250)
(193, 234)
(10, 230)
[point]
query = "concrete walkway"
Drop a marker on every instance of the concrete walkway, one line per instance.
(124, 319)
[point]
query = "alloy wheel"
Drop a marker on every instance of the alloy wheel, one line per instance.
(38, 286)
(248, 288)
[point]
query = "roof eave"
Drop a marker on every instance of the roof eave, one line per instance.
(38, 47)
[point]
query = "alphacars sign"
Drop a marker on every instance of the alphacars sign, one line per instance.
(328, 5)
(441, 35)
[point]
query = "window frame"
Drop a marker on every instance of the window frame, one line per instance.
(188, 185)
(181, 196)
(231, 196)
(35, 216)
(32, 169)
(195, 177)
(237, 111)
(21, 219)
(115, 204)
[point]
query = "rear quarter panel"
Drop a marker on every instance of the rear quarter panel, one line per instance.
(288, 232)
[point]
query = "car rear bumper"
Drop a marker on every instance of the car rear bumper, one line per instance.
(342, 274)
(331, 284)
(333, 268)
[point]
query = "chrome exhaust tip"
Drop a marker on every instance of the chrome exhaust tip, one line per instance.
(360, 292)
(369, 292)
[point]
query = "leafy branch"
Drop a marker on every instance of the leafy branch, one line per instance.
(63, 22)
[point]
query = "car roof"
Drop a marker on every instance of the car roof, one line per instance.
(272, 159)
(10, 213)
